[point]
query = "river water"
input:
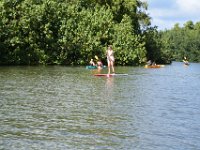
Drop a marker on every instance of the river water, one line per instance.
(60, 108)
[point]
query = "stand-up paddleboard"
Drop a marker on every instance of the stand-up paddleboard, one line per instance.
(110, 75)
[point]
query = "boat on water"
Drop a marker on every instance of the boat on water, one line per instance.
(154, 66)
(91, 67)
(186, 63)
(94, 67)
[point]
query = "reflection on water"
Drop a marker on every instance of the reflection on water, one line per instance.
(58, 107)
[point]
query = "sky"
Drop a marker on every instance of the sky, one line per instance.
(166, 13)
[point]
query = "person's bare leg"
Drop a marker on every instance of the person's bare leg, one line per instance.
(109, 67)
(112, 64)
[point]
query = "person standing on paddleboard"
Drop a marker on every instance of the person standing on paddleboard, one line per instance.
(110, 59)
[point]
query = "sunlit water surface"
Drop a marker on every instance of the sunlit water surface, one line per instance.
(59, 107)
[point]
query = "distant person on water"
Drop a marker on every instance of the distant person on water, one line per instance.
(99, 64)
(110, 59)
(149, 62)
(92, 62)
(185, 61)
(154, 63)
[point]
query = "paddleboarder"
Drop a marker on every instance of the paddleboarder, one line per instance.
(110, 59)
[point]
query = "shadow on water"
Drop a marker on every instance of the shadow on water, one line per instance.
(58, 107)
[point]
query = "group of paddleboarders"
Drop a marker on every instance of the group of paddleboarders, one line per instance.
(110, 60)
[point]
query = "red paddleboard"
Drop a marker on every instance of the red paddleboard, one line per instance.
(110, 75)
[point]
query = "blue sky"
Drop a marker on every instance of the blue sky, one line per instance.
(165, 13)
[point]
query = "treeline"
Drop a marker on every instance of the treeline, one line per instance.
(181, 42)
(71, 32)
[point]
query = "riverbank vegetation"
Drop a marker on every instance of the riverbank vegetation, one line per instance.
(182, 42)
(72, 32)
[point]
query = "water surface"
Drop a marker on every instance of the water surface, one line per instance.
(59, 107)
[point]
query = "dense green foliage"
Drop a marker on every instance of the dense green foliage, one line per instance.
(182, 42)
(71, 32)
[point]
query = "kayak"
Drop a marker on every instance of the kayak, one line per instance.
(186, 63)
(110, 75)
(94, 67)
(154, 66)
(91, 67)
